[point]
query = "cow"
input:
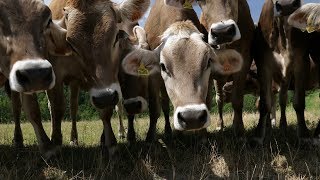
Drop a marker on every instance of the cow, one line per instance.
(307, 18)
(160, 18)
(185, 63)
(27, 37)
(281, 53)
(229, 26)
(92, 27)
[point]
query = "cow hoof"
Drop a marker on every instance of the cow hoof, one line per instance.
(122, 135)
(256, 141)
(73, 143)
(113, 151)
(18, 145)
(273, 123)
(51, 152)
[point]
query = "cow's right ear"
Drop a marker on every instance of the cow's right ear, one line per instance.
(141, 62)
(56, 42)
(186, 4)
(307, 17)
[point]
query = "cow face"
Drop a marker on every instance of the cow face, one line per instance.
(91, 31)
(185, 62)
(27, 35)
(285, 7)
(306, 18)
(219, 17)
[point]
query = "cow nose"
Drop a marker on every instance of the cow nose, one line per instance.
(105, 99)
(285, 8)
(38, 75)
(133, 106)
(224, 32)
(192, 119)
(32, 76)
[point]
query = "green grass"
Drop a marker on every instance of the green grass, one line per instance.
(183, 157)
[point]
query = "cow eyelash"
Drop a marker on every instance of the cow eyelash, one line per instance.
(163, 67)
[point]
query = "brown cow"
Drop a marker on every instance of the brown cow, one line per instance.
(307, 18)
(282, 53)
(92, 27)
(27, 35)
(185, 62)
(230, 26)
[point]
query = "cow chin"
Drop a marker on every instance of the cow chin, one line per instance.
(191, 117)
(31, 75)
(106, 97)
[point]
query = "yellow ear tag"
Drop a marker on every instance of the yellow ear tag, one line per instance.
(187, 5)
(310, 29)
(142, 70)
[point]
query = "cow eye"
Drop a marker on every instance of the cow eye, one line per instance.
(163, 67)
(209, 63)
(49, 22)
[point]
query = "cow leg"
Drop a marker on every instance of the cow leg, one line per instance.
(154, 108)
(131, 136)
(165, 101)
(57, 110)
(109, 139)
(273, 110)
(218, 85)
(121, 131)
(237, 100)
(283, 99)
(300, 77)
(16, 111)
(317, 131)
(74, 96)
(32, 110)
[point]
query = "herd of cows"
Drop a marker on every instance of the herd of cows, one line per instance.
(97, 46)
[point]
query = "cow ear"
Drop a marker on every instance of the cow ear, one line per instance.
(141, 36)
(56, 40)
(141, 62)
(307, 17)
(226, 62)
(186, 4)
(132, 10)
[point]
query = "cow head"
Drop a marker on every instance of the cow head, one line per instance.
(27, 35)
(185, 62)
(92, 26)
(219, 17)
(285, 7)
(306, 18)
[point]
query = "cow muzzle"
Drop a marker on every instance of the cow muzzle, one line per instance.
(106, 97)
(191, 117)
(135, 105)
(31, 76)
(224, 32)
(286, 7)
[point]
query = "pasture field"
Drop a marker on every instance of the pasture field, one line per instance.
(184, 156)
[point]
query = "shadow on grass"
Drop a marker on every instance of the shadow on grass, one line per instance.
(181, 157)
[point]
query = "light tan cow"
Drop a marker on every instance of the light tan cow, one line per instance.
(230, 26)
(185, 63)
(27, 36)
(92, 27)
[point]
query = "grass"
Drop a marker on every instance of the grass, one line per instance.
(183, 157)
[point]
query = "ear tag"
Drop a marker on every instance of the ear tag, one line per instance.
(187, 5)
(142, 70)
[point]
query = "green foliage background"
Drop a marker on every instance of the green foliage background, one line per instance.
(87, 112)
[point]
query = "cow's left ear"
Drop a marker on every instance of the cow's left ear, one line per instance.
(186, 4)
(56, 43)
(132, 10)
(307, 17)
(226, 62)
(141, 62)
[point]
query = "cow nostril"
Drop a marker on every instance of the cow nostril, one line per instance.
(203, 117)
(181, 118)
(278, 6)
(22, 77)
(296, 3)
(214, 35)
(231, 30)
(47, 75)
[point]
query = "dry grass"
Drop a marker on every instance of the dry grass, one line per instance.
(182, 157)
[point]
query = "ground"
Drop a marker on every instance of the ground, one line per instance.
(183, 157)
